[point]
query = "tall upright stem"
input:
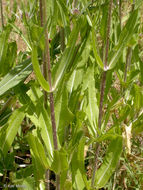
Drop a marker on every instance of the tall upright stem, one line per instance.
(47, 175)
(129, 53)
(52, 111)
(2, 19)
(44, 58)
(105, 64)
(120, 13)
(102, 89)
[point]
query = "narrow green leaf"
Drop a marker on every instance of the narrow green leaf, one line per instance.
(137, 125)
(63, 115)
(97, 57)
(37, 71)
(109, 163)
(77, 74)
(39, 162)
(138, 3)
(64, 14)
(10, 130)
(67, 57)
(107, 136)
(125, 36)
(78, 167)
(40, 119)
(3, 49)
(46, 131)
(37, 150)
(60, 162)
(91, 108)
(36, 35)
(19, 32)
(15, 76)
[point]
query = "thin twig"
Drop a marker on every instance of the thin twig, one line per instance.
(102, 90)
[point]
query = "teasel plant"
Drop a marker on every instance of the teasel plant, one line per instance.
(71, 98)
(103, 83)
(47, 76)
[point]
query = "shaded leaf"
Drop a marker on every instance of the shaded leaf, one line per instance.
(63, 115)
(15, 76)
(9, 131)
(67, 56)
(60, 162)
(124, 37)
(109, 163)
(91, 108)
(39, 160)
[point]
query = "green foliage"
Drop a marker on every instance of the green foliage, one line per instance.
(9, 131)
(77, 34)
(15, 76)
(109, 163)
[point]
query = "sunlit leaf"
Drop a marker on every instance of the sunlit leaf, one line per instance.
(60, 162)
(97, 56)
(37, 71)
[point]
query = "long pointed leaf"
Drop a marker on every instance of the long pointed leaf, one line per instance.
(125, 36)
(15, 76)
(10, 130)
(37, 71)
(91, 108)
(97, 57)
(109, 164)
(67, 57)
(38, 150)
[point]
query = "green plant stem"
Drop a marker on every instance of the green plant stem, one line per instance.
(105, 65)
(53, 121)
(129, 53)
(120, 13)
(47, 174)
(102, 90)
(95, 164)
(41, 12)
(2, 19)
(42, 16)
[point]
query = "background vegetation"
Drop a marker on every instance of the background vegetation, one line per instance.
(71, 94)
